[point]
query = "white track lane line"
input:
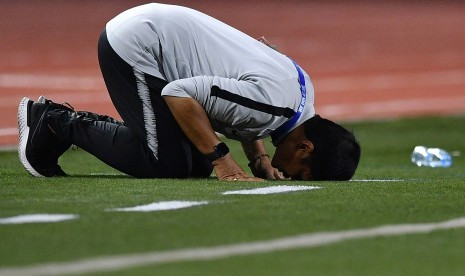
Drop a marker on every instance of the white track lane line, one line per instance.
(402, 80)
(325, 84)
(118, 262)
(356, 110)
(46, 81)
(365, 109)
(9, 131)
(89, 84)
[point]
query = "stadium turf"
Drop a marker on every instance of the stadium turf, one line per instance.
(387, 189)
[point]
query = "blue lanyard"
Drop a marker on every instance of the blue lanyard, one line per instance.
(284, 128)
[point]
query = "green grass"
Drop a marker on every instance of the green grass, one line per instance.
(424, 195)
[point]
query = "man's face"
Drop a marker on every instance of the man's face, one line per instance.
(288, 158)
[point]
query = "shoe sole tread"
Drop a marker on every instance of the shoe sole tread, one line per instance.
(24, 135)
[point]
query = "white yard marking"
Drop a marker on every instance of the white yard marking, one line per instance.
(113, 263)
(271, 190)
(160, 206)
(37, 218)
(107, 174)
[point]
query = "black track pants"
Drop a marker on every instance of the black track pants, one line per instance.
(150, 143)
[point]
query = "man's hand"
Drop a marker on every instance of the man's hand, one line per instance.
(260, 163)
(261, 167)
(227, 169)
(194, 122)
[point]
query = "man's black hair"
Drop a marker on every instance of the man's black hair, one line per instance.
(336, 152)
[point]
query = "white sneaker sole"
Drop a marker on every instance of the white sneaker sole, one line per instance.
(23, 137)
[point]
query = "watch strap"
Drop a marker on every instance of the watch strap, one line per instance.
(220, 150)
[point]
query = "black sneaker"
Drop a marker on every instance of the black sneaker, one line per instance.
(39, 148)
(65, 106)
(61, 147)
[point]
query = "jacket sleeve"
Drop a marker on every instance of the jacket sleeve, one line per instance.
(236, 106)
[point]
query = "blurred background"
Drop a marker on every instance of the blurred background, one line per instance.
(367, 59)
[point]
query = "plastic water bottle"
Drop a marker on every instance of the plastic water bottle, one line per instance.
(431, 157)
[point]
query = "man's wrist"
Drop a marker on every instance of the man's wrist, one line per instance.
(257, 158)
(220, 150)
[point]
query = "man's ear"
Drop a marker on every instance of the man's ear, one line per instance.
(306, 146)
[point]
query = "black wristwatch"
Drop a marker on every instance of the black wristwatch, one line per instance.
(220, 150)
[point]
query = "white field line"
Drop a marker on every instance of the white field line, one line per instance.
(37, 218)
(376, 180)
(271, 190)
(113, 263)
(159, 206)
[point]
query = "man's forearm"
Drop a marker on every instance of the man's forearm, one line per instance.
(254, 149)
(194, 122)
(260, 163)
